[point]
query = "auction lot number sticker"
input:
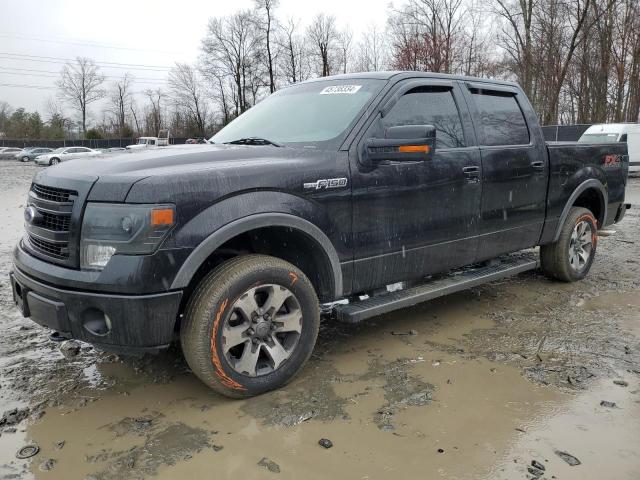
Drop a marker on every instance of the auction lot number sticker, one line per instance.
(340, 89)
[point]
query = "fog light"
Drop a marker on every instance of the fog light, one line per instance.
(96, 322)
(96, 256)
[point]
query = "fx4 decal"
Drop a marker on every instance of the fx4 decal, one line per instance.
(326, 183)
(612, 160)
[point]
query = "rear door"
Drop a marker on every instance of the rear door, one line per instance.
(514, 169)
(415, 218)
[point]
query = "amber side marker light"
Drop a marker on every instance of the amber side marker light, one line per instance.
(414, 148)
(162, 216)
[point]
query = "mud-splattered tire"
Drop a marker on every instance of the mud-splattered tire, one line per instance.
(213, 334)
(570, 258)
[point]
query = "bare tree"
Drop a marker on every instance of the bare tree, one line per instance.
(120, 98)
(371, 51)
(230, 48)
(80, 84)
(294, 59)
(344, 41)
(188, 93)
(5, 113)
(322, 34)
(154, 115)
(267, 24)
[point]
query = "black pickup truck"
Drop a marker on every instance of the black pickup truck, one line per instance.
(327, 193)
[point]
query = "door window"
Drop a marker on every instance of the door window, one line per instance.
(501, 119)
(429, 106)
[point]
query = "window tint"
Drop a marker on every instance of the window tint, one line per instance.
(429, 106)
(501, 118)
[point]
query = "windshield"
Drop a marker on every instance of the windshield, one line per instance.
(59, 150)
(598, 138)
(142, 141)
(306, 113)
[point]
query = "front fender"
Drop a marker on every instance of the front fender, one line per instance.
(241, 213)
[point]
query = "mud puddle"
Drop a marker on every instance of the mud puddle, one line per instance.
(474, 385)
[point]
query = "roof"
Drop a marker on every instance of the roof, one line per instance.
(388, 75)
(613, 128)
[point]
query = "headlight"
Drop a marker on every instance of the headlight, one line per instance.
(132, 229)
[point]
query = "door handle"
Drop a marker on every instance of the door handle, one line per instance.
(472, 173)
(537, 165)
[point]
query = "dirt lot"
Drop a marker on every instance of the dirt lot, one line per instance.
(474, 386)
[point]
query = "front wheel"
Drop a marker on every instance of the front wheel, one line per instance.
(54, 161)
(250, 325)
(571, 256)
(24, 159)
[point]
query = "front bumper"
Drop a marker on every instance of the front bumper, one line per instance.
(113, 322)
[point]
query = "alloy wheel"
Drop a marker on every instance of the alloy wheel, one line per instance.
(262, 330)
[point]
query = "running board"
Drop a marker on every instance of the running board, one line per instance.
(453, 282)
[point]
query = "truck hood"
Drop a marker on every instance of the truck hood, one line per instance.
(114, 175)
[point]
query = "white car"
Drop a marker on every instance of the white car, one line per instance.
(64, 154)
(617, 132)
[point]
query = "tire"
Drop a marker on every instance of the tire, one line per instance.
(223, 300)
(561, 260)
(24, 159)
(54, 161)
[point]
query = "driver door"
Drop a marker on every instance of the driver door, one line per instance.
(414, 218)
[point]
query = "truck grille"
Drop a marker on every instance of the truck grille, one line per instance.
(55, 250)
(52, 194)
(55, 222)
(49, 234)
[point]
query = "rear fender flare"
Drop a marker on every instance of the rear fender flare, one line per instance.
(587, 184)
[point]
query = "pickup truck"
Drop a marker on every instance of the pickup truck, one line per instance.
(355, 193)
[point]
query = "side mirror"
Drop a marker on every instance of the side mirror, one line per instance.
(413, 143)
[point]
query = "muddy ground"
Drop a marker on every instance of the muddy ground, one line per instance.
(476, 385)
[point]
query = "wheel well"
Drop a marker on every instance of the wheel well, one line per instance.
(287, 243)
(592, 200)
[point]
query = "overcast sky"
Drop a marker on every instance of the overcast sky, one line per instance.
(36, 36)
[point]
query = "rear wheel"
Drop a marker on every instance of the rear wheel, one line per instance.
(54, 161)
(250, 325)
(25, 159)
(571, 256)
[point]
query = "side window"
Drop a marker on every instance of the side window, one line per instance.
(429, 106)
(501, 118)
(623, 138)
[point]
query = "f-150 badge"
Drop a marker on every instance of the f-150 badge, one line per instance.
(327, 183)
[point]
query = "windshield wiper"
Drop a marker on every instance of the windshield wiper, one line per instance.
(253, 141)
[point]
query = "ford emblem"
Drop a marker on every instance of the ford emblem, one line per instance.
(30, 215)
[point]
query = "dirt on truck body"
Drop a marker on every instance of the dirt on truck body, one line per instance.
(472, 386)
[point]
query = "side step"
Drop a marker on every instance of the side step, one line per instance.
(453, 282)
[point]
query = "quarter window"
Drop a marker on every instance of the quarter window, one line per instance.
(429, 106)
(501, 119)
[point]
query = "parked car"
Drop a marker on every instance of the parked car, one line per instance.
(324, 193)
(112, 150)
(194, 141)
(30, 153)
(64, 154)
(617, 132)
(9, 153)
